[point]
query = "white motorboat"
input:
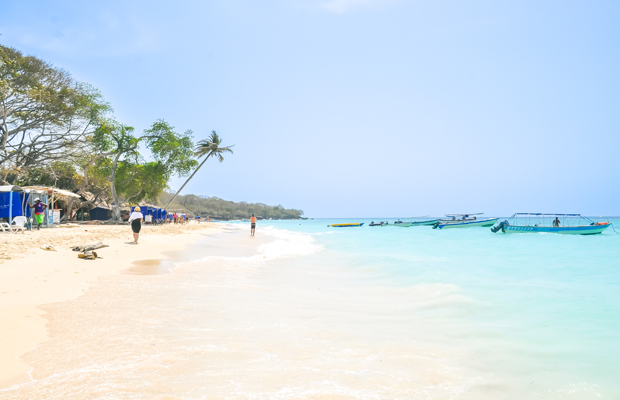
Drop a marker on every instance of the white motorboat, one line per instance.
(464, 221)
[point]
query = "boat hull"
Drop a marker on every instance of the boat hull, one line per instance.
(347, 225)
(467, 224)
(425, 223)
(562, 230)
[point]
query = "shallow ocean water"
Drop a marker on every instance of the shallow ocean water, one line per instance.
(349, 313)
(540, 313)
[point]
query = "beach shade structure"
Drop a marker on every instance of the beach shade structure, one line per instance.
(13, 202)
(49, 195)
(100, 214)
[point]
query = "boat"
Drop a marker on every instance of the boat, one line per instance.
(372, 223)
(419, 221)
(569, 224)
(463, 221)
(406, 224)
(425, 223)
(401, 224)
(347, 225)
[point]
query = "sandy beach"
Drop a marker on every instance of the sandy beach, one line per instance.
(31, 277)
(271, 316)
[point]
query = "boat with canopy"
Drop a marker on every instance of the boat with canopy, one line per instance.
(464, 221)
(565, 224)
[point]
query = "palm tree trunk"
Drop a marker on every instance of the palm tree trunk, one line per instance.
(188, 179)
(116, 207)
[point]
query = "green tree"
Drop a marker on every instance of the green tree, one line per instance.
(45, 115)
(209, 148)
(172, 152)
(135, 182)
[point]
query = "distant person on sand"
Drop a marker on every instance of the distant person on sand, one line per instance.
(253, 226)
(39, 209)
(136, 223)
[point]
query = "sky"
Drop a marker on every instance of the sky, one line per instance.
(361, 108)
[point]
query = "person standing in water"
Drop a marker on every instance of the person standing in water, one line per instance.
(136, 223)
(253, 226)
(39, 209)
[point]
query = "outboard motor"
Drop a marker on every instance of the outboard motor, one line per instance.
(499, 226)
(436, 225)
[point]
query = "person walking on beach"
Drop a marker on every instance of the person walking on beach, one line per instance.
(253, 226)
(136, 223)
(39, 209)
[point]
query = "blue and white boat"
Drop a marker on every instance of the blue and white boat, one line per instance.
(564, 224)
(464, 221)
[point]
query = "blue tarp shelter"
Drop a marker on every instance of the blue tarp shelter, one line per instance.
(14, 203)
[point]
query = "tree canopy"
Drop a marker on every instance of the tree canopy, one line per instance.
(217, 208)
(57, 131)
(45, 115)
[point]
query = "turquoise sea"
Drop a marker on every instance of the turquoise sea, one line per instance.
(306, 311)
(539, 314)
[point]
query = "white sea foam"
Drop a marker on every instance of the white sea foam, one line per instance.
(285, 323)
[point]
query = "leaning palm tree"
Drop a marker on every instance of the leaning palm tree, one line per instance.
(210, 148)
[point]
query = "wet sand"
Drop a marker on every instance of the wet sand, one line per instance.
(256, 318)
(31, 277)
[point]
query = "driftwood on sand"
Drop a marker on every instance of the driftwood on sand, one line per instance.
(90, 246)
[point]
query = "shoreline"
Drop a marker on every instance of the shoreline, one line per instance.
(266, 314)
(31, 277)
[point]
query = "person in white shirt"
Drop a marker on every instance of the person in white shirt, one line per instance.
(136, 223)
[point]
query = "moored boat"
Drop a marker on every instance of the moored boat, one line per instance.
(570, 224)
(423, 221)
(372, 223)
(401, 224)
(417, 222)
(463, 221)
(347, 225)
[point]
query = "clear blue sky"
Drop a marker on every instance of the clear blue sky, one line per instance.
(350, 108)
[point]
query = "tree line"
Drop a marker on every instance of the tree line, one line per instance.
(217, 208)
(57, 131)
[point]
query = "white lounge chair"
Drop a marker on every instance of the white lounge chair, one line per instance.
(5, 227)
(19, 224)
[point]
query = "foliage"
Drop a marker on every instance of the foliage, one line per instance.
(61, 174)
(45, 115)
(217, 208)
(209, 148)
(56, 131)
(172, 150)
(136, 182)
